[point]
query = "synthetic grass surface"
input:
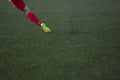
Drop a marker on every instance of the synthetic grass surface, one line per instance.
(84, 43)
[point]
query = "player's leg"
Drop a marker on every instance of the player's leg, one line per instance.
(34, 19)
(20, 4)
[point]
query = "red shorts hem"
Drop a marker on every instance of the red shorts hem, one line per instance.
(19, 4)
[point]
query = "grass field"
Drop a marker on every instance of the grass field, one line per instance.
(84, 43)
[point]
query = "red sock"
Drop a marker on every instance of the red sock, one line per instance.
(33, 18)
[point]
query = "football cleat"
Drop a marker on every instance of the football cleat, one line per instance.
(45, 28)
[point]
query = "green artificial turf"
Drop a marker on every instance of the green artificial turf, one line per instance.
(84, 43)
